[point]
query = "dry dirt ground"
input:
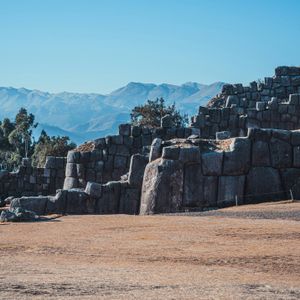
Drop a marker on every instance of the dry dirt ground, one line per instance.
(248, 252)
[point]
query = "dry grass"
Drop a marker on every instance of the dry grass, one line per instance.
(154, 257)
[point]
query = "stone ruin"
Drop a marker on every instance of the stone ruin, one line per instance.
(244, 147)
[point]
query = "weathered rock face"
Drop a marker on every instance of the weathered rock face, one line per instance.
(230, 187)
(237, 161)
(273, 103)
(263, 181)
(35, 204)
(212, 163)
(162, 187)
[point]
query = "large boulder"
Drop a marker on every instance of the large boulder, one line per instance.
(58, 203)
(129, 200)
(93, 189)
(162, 187)
(108, 203)
(155, 150)
(199, 191)
(76, 202)
(18, 215)
(263, 183)
(193, 185)
(137, 167)
(36, 204)
(237, 160)
(70, 183)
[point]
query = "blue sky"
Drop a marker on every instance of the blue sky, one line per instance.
(100, 45)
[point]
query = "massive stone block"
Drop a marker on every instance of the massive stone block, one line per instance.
(76, 202)
(260, 154)
(36, 204)
(281, 153)
(129, 201)
(263, 183)
(71, 170)
(229, 188)
(237, 160)
(193, 185)
(212, 163)
(162, 187)
(155, 150)
(189, 154)
(108, 203)
(93, 189)
(137, 167)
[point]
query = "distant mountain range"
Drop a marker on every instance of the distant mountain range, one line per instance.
(87, 116)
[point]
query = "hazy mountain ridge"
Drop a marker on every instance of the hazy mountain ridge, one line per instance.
(86, 116)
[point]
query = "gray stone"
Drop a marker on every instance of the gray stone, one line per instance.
(296, 157)
(281, 153)
(193, 186)
(70, 183)
(137, 167)
(260, 106)
(120, 162)
(109, 202)
(155, 151)
(57, 204)
(229, 188)
(212, 163)
(295, 139)
(223, 135)
(35, 204)
(71, 170)
(260, 154)
(263, 183)
(189, 154)
(117, 139)
(93, 189)
(130, 201)
(162, 187)
(170, 152)
(231, 100)
(76, 202)
(136, 131)
(237, 160)
(167, 121)
(50, 162)
(125, 129)
(73, 157)
(18, 215)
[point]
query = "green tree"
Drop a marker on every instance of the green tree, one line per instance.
(50, 146)
(151, 112)
(20, 136)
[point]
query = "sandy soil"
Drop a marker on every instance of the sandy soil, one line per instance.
(227, 256)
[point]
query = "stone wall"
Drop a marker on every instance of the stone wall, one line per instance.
(107, 159)
(271, 104)
(263, 166)
(34, 181)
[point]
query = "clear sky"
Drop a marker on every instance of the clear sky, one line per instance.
(101, 45)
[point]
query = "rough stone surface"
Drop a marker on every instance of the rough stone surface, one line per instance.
(93, 189)
(263, 183)
(212, 163)
(162, 187)
(230, 187)
(35, 204)
(237, 160)
(136, 171)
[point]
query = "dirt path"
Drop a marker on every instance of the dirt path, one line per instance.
(155, 257)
